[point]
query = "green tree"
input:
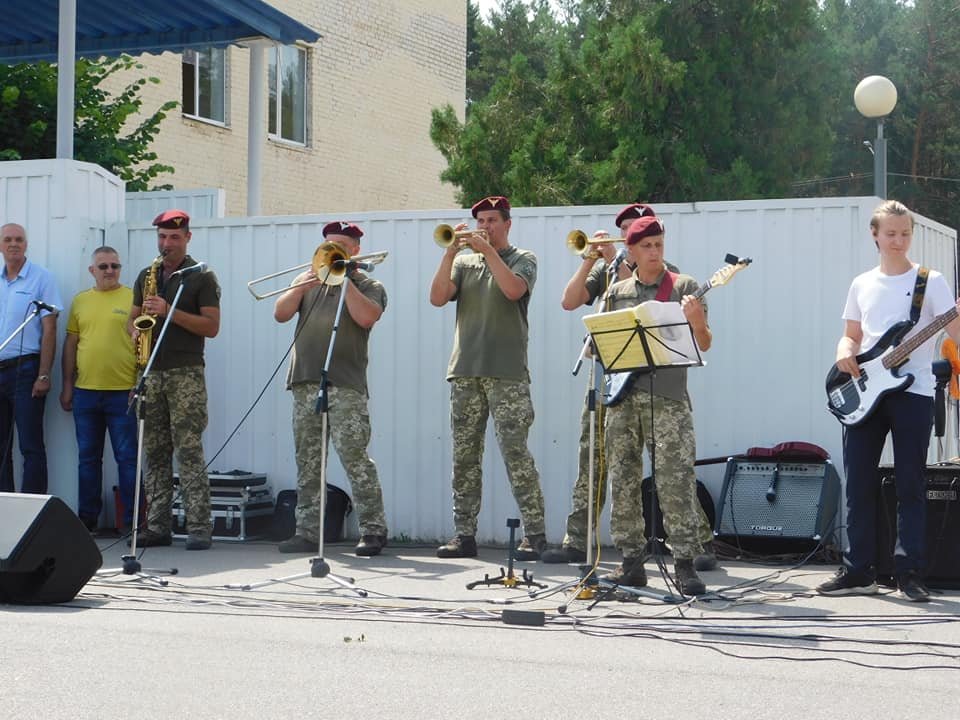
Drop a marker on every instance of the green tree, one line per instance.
(624, 99)
(28, 101)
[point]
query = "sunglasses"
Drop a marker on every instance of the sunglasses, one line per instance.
(112, 266)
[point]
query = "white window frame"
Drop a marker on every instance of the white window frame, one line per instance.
(275, 100)
(192, 57)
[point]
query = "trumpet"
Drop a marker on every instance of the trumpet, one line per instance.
(330, 264)
(580, 244)
(445, 236)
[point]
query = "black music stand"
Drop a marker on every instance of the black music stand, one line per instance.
(643, 339)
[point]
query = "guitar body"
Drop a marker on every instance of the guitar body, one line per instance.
(616, 386)
(851, 399)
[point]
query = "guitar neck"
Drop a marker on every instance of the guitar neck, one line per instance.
(703, 290)
(903, 350)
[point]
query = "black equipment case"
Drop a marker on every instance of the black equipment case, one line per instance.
(241, 504)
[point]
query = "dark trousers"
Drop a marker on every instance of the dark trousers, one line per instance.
(96, 412)
(17, 406)
(909, 417)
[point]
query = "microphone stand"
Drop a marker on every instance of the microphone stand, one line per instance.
(131, 565)
(320, 568)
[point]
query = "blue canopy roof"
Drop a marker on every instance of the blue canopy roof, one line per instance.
(28, 31)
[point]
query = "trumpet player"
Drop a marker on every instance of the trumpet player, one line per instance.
(488, 372)
(316, 304)
(175, 390)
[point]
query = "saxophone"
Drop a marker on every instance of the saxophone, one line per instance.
(145, 322)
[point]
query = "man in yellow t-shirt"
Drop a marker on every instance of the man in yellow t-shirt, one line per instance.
(99, 369)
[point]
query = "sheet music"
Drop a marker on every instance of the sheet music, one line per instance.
(669, 336)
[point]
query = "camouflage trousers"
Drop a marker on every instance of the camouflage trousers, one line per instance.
(348, 425)
(576, 535)
(472, 400)
(175, 418)
(627, 430)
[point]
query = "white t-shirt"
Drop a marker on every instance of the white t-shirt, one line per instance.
(878, 301)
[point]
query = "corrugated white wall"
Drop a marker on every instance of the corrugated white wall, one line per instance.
(68, 208)
(775, 326)
(142, 207)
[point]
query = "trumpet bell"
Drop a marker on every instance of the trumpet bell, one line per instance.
(444, 235)
(330, 263)
(580, 244)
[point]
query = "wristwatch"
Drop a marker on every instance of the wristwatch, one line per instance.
(44, 378)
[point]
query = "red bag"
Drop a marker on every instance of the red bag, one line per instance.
(795, 450)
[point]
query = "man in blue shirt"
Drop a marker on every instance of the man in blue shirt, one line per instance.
(26, 361)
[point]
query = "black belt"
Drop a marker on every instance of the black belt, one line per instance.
(4, 364)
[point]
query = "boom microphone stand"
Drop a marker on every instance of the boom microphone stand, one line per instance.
(131, 565)
(319, 568)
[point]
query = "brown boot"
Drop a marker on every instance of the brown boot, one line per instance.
(630, 572)
(688, 581)
(530, 547)
(461, 546)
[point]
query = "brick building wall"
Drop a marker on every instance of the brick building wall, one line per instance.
(373, 78)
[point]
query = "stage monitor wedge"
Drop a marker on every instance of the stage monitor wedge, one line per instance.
(46, 553)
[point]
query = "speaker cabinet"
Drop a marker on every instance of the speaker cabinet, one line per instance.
(943, 526)
(765, 504)
(46, 554)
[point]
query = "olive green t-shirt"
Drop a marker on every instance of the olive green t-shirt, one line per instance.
(490, 338)
(180, 348)
(668, 382)
(318, 310)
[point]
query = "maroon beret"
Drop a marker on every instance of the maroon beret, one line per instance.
(640, 228)
(494, 202)
(172, 220)
(636, 210)
(342, 228)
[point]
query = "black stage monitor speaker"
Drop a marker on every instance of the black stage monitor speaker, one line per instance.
(765, 504)
(943, 526)
(46, 553)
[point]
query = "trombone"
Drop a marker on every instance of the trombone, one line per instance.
(330, 265)
(580, 244)
(444, 235)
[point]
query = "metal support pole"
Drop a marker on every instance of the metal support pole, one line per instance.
(880, 163)
(256, 125)
(66, 77)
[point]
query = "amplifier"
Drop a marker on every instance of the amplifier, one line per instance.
(769, 501)
(943, 525)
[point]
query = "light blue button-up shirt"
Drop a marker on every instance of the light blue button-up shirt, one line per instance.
(31, 283)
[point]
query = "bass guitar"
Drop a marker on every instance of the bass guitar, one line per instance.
(618, 384)
(852, 399)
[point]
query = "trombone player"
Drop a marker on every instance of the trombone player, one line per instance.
(488, 371)
(316, 304)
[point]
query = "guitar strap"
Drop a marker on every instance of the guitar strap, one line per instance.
(918, 291)
(666, 286)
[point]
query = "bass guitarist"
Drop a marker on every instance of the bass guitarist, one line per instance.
(878, 299)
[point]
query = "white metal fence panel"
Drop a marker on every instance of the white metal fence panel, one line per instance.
(775, 326)
(68, 208)
(142, 207)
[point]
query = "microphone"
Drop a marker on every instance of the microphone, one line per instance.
(618, 258)
(43, 306)
(198, 268)
(352, 265)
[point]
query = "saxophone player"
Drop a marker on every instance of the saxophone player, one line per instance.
(175, 390)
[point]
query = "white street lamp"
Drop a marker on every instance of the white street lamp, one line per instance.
(875, 97)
